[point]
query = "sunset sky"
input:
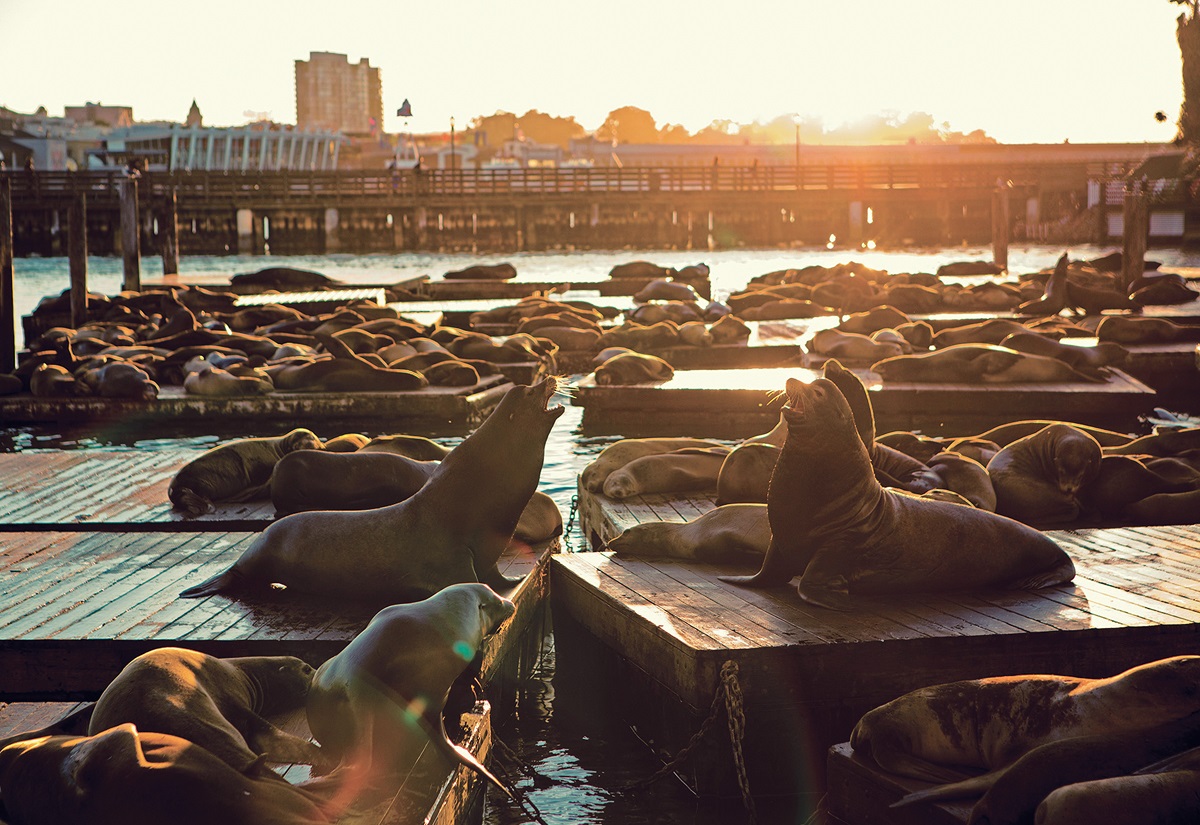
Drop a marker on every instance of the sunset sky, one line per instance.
(1021, 70)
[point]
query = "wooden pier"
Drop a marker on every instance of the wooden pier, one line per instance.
(427, 408)
(79, 605)
(721, 404)
(808, 674)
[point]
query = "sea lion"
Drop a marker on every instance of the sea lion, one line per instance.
(833, 522)
(1165, 508)
(1005, 434)
(1054, 294)
(1011, 794)
(1133, 330)
(53, 381)
(322, 480)
(377, 703)
(213, 382)
(729, 534)
(123, 776)
(959, 474)
(412, 549)
(118, 379)
(680, 471)
(746, 473)
(237, 471)
(1165, 443)
(991, 331)
(281, 278)
(620, 453)
(933, 733)
(346, 375)
(1165, 793)
(978, 364)
(633, 368)
(661, 289)
(729, 330)
(640, 269)
(1121, 481)
(483, 272)
(1094, 300)
(346, 443)
(874, 319)
(218, 704)
(852, 346)
(1039, 478)
(417, 447)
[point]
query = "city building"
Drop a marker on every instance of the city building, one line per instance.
(333, 94)
(100, 115)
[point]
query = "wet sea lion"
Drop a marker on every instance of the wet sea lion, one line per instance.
(934, 733)
(1054, 294)
(483, 272)
(378, 702)
(1005, 434)
(874, 319)
(1134, 330)
(833, 522)
(414, 446)
(959, 474)
(679, 471)
(1038, 479)
(346, 443)
(123, 776)
(118, 379)
(218, 704)
(620, 453)
(852, 346)
(346, 375)
(237, 471)
(729, 534)
(52, 381)
(412, 549)
(1122, 481)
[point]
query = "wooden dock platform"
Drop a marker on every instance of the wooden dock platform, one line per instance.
(808, 674)
(721, 404)
(431, 407)
(109, 490)
(79, 605)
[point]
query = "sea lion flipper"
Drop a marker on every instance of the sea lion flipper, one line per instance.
(966, 789)
(776, 571)
(499, 582)
(191, 503)
(221, 583)
(456, 753)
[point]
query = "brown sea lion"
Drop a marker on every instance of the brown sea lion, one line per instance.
(411, 549)
(346, 375)
(991, 331)
(322, 480)
(483, 272)
(219, 704)
(935, 733)
(1167, 442)
(620, 453)
(237, 471)
(852, 346)
(887, 542)
(661, 289)
(640, 269)
(118, 379)
(1133, 330)
(1094, 300)
(964, 476)
(414, 446)
(346, 443)
(1163, 796)
(213, 382)
(53, 381)
(729, 534)
(378, 703)
(746, 473)
(675, 472)
(1039, 478)
(633, 368)
(1011, 795)
(122, 776)
(1121, 481)
(1166, 508)
(877, 318)
(729, 330)
(1005, 434)
(1054, 294)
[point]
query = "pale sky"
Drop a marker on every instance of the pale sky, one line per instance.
(1025, 71)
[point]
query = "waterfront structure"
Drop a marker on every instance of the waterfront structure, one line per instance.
(256, 147)
(333, 94)
(100, 115)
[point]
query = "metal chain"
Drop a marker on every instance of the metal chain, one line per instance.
(729, 696)
(735, 711)
(571, 520)
(522, 799)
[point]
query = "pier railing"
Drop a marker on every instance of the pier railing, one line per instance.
(41, 189)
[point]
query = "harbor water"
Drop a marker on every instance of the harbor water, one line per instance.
(587, 763)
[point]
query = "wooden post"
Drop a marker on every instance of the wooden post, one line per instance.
(77, 251)
(1137, 219)
(131, 246)
(1000, 225)
(170, 230)
(8, 310)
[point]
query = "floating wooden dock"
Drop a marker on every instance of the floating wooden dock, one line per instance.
(859, 791)
(315, 301)
(807, 674)
(431, 407)
(78, 606)
(721, 404)
(112, 490)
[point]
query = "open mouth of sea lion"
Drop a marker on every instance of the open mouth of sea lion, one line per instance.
(548, 388)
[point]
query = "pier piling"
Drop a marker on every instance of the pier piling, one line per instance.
(1133, 245)
(8, 335)
(131, 246)
(170, 230)
(1000, 224)
(77, 251)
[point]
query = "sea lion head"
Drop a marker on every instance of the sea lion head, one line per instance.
(279, 683)
(815, 405)
(1076, 459)
(481, 610)
(531, 404)
(300, 439)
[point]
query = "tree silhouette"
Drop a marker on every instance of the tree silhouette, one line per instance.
(629, 124)
(1187, 33)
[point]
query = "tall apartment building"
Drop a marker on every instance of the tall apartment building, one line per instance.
(334, 94)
